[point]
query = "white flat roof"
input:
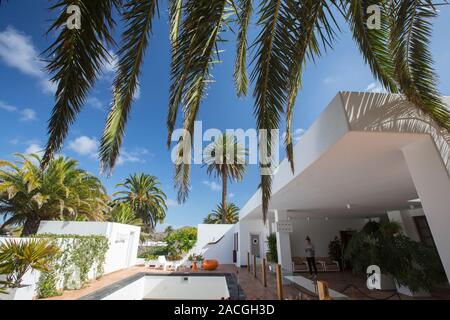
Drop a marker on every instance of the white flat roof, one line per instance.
(351, 155)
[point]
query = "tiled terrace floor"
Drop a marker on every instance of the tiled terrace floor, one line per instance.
(253, 287)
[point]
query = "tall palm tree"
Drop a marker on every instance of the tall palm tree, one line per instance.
(225, 159)
(29, 194)
(291, 32)
(145, 197)
(221, 215)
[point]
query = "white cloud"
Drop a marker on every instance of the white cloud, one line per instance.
(28, 115)
(212, 185)
(231, 195)
(330, 80)
(84, 146)
(34, 149)
(172, 203)
(137, 92)
(134, 156)
(95, 103)
(18, 51)
(7, 107)
(110, 65)
(375, 87)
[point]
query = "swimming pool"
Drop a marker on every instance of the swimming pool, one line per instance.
(174, 286)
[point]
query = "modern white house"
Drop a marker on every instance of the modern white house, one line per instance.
(367, 156)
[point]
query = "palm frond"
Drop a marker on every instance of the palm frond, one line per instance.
(373, 43)
(270, 75)
(196, 52)
(413, 63)
(309, 23)
(76, 58)
(240, 67)
(139, 17)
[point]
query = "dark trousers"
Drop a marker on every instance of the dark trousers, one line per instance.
(312, 265)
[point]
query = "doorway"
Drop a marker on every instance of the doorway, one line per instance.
(255, 245)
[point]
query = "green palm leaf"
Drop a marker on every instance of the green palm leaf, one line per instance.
(138, 16)
(240, 67)
(75, 61)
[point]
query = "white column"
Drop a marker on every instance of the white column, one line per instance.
(283, 242)
(432, 183)
(406, 222)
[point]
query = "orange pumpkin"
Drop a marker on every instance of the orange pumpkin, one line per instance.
(210, 264)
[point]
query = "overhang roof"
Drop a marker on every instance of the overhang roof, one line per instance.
(351, 157)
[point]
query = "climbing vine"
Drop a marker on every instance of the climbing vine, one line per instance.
(71, 268)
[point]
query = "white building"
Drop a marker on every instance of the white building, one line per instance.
(367, 156)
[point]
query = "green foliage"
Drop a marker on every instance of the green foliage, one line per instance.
(3, 286)
(143, 194)
(335, 250)
(123, 213)
(410, 263)
(29, 194)
(195, 257)
(70, 268)
(229, 215)
(181, 241)
(18, 257)
(272, 254)
(153, 253)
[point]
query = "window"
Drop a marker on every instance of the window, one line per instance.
(424, 231)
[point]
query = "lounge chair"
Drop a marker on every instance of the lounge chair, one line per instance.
(327, 264)
(299, 264)
(163, 263)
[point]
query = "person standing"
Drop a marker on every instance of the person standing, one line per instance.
(310, 257)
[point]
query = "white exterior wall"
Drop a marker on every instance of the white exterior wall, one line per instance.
(210, 233)
(247, 227)
(432, 182)
(321, 233)
(123, 239)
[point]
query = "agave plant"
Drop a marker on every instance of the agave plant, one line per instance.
(29, 194)
(18, 257)
(223, 215)
(291, 33)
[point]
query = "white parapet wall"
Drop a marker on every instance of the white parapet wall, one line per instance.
(215, 241)
(123, 239)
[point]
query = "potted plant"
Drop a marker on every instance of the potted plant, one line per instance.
(335, 251)
(19, 257)
(408, 263)
(272, 253)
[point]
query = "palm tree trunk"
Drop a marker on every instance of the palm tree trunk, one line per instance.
(224, 194)
(31, 225)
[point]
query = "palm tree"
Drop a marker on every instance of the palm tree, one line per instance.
(144, 196)
(221, 215)
(29, 194)
(225, 159)
(291, 32)
(123, 213)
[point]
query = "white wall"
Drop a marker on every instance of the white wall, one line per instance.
(321, 233)
(123, 239)
(223, 249)
(247, 227)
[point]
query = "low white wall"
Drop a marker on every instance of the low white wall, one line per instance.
(123, 239)
(207, 234)
(174, 287)
(321, 233)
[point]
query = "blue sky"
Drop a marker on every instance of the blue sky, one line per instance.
(26, 101)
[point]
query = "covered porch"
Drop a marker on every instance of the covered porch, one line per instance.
(368, 157)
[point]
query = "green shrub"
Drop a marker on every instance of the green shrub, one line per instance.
(180, 241)
(152, 253)
(78, 255)
(272, 253)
